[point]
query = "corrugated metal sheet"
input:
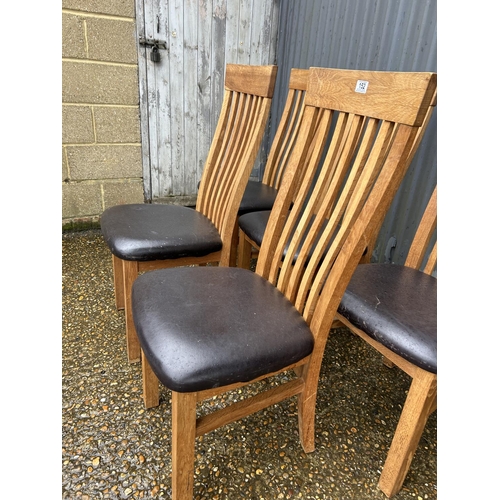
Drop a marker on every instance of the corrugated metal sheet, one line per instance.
(390, 35)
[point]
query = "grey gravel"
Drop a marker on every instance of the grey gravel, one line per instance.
(115, 449)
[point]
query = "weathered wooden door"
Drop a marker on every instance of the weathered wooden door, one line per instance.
(181, 93)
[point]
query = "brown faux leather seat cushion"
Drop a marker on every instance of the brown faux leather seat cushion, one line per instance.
(205, 327)
(257, 196)
(142, 232)
(397, 306)
(254, 225)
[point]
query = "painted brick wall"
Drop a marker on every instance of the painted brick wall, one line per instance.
(101, 143)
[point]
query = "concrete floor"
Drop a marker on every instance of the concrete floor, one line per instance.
(114, 448)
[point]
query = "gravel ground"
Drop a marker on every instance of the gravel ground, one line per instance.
(115, 449)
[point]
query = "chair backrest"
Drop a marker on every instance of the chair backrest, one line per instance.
(341, 200)
(416, 143)
(286, 133)
(248, 91)
(425, 231)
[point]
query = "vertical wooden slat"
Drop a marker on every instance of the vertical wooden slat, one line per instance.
(143, 98)
(219, 60)
(243, 38)
(160, 94)
(189, 178)
(204, 91)
(177, 80)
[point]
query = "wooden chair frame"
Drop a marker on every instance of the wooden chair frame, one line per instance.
(248, 248)
(352, 190)
(422, 396)
(279, 154)
(245, 110)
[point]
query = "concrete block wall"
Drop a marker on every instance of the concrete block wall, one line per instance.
(101, 142)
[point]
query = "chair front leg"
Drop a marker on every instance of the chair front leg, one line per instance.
(130, 273)
(420, 403)
(183, 444)
(307, 407)
(118, 282)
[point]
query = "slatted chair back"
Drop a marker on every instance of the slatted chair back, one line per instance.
(419, 247)
(286, 133)
(246, 243)
(280, 154)
(246, 104)
(378, 117)
(416, 143)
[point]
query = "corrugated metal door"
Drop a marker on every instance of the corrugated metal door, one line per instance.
(181, 95)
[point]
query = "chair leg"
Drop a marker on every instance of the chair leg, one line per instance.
(307, 409)
(130, 273)
(234, 247)
(118, 281)
(420, 403)
(183, 444)
(244, 251)
(150, 384)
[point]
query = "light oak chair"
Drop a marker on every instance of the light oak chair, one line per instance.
(208, 330)
(252, 224)
(260, 196)
(394, 309)
(143, 237)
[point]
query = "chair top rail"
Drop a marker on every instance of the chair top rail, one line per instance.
(402, 97)
(256, 80)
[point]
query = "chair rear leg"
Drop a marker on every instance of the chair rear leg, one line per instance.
(234, 247)
(183, 444)
(118, 282)
(244, 251)
(420, 403)
(130, 273)
(150, 384)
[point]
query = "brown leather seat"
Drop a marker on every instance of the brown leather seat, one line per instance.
(155, 232)
(396, 306)
(257, 196)
(195, 341)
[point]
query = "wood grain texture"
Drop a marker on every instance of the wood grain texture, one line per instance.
(395, 96)
(180, 96)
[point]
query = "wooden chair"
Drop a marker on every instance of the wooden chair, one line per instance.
(143, 237)
(393, 308)
(252, 225)
(207, 330)
(260, 196)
